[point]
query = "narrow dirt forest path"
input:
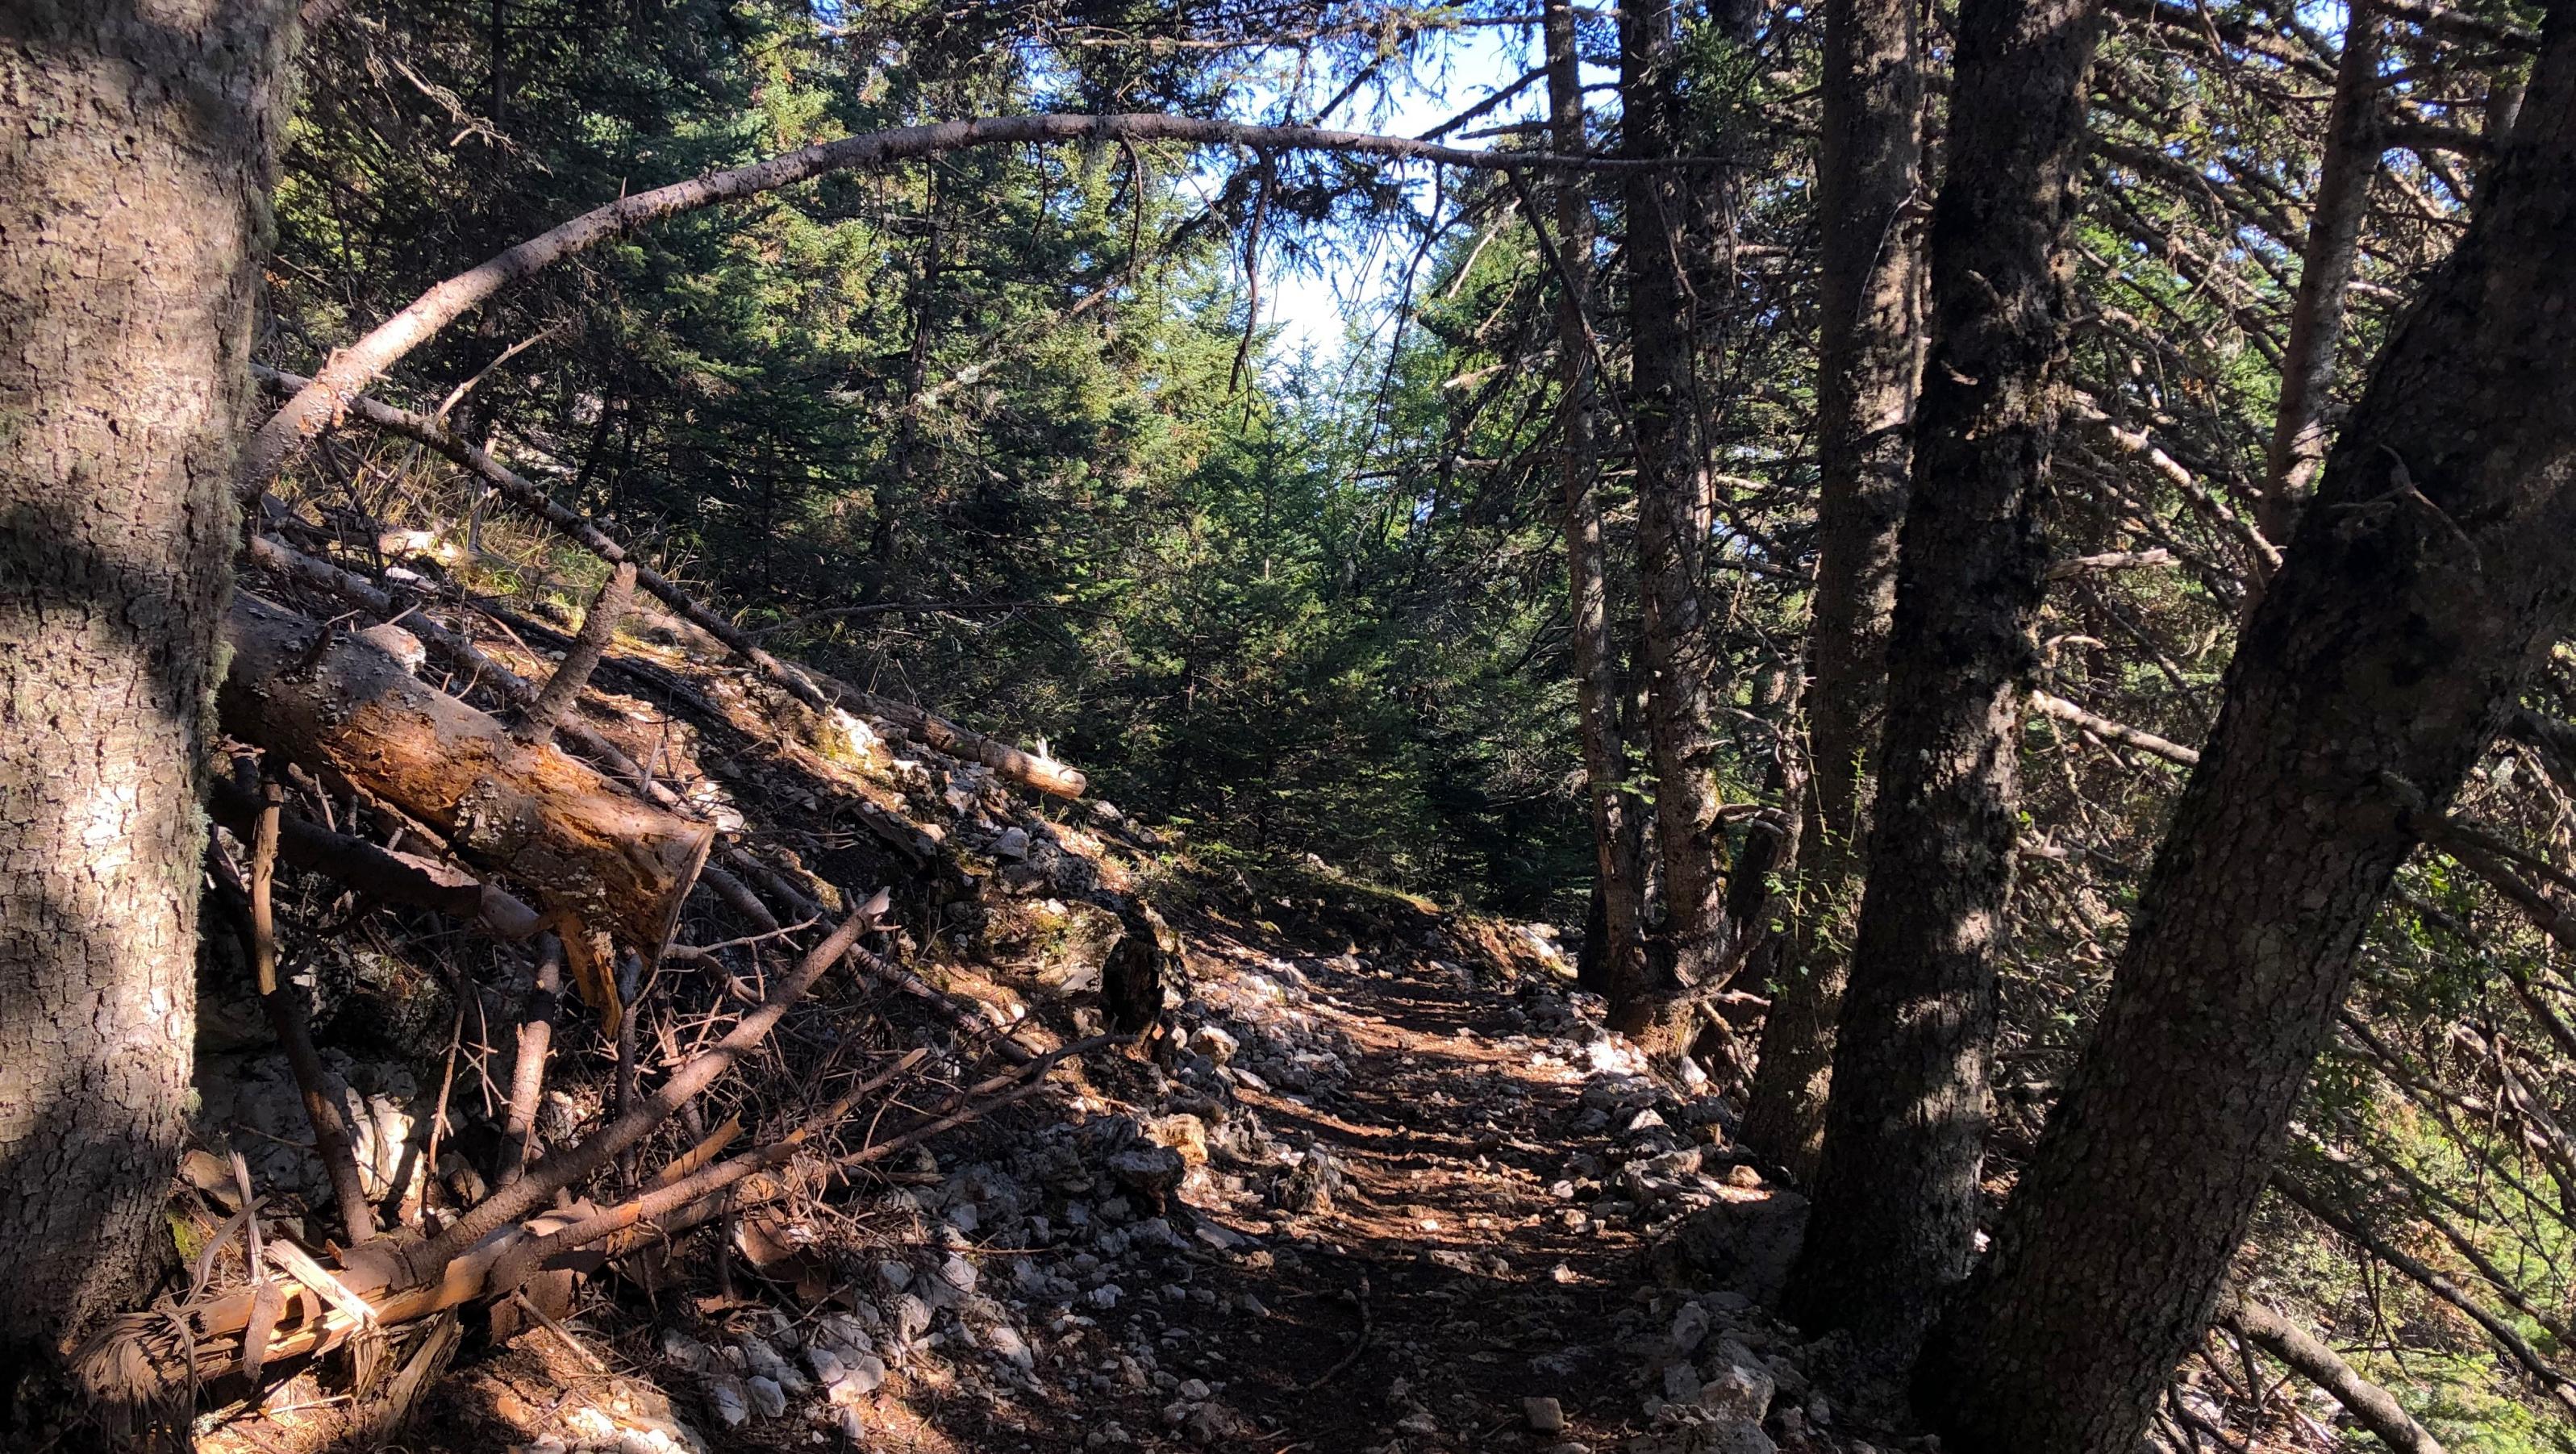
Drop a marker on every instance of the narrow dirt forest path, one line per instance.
(1370, 1201)
(1455, 1237)
(1441, 1281)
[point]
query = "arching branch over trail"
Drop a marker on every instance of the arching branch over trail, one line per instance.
(351, 369)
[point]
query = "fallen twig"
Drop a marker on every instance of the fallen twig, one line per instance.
(1359, 1344)
(422, 1261)
(285, 1013)
(528, 1071)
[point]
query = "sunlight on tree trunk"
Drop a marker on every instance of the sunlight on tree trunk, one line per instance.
(1870, 289)
(1896, 1186)
(136, 141)
(2425, 584)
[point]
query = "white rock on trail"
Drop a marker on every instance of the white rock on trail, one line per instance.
(1737, 1385)
(860, 1377)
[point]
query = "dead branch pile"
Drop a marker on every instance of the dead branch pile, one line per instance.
(408, 758)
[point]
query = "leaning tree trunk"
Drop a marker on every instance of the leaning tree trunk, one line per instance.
(2335, 214)
(136, 156)
(1870, 287)
(1619, 888)
(1673, 518)
(2426, 582)
(1896, 1187)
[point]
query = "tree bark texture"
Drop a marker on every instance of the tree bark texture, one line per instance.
(2437, 563)
(136, 156)
(2335, 213)
(1674, 512)
(1870, 287)
(1896, 1185)
(351, 714)
(1621, 890)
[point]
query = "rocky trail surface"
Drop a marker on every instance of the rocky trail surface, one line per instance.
(1380, 1181)
(1370, 1201)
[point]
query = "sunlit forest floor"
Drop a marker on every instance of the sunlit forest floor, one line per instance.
(1380, 1180)
(1451, 1215)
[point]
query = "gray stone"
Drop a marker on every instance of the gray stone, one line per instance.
(1681, 1382)
(1748, 1246)
(1738, 1385)
(1543, 1415)
(1690, 1329)
(1734, 1436)
(860, 1377)
(1214, 1043)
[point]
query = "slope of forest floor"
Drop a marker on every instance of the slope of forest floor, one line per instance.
(1440, 1226)
(1382, 1182)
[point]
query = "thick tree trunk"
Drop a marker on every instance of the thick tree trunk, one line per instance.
(2335, 214)
(136, 155)
(1617, 951)
(1896, 1186)
(1673, 516)
(351, 714)
(1870, 285)
(2437, 564)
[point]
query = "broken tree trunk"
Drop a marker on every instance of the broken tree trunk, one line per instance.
(598, 629)
(454, 648)
(351, 714)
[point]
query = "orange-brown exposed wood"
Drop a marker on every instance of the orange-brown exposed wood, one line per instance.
(350, 713)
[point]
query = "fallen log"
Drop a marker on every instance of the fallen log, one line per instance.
(1025, 768)
(814, 690)
(380, 873)
(2374, 1407)
(348, 712)
(280, 559)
